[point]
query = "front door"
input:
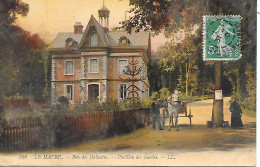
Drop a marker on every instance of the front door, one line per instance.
(93, 92)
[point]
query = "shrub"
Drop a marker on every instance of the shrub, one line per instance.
(155, 95)
(112, 105)
(249, 103)
(146, 103)
(204, 97)
(88, 106)
(1, 111)
(164, 93)
(16, 97)
(63, 101)
(186, 98)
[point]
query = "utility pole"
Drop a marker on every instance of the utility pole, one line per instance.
(187, 76)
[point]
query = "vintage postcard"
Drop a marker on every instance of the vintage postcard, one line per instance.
(128, 82)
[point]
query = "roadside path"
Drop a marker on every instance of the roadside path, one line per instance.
(202, 112)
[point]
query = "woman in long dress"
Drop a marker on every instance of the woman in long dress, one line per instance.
(236, 114)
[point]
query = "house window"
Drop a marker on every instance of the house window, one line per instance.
(93, 40)
(93, 66)
(122, 91)
(69, 68)
(69, 92)
(121, 66)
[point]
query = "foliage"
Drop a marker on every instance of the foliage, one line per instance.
(112, 105)
(88, 107)
(173, 17)
(155, 15)
(179, 59)
(155, 95)
(14, 97)
(186, 98)
(2, 114)
(146, 13)
(181, 81)
(154, 73)
(250, 101)
(193, 80)
(249, 113)
(47, 74)
(21, 63)
(164, 93)
(146, 103)
(63, 101)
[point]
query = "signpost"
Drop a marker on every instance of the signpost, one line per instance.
(221, 42)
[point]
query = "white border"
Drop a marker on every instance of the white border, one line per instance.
(204, 39)
(257, 85)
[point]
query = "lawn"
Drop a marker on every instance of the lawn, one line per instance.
(196, 137)
(249, 113)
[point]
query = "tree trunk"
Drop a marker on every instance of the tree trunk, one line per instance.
(170, 77)
(187, 77)
(217, 116)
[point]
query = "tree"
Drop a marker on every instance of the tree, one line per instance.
(173, 16)
(179, 62)
(10, 39)
(132, 70)
(21, 59)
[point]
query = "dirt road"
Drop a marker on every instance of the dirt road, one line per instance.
(202, 112)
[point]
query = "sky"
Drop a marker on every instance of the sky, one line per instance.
(49, 17)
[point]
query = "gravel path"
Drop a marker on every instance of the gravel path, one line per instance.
(202, 112)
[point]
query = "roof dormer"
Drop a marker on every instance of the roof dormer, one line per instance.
(71, 43)
(123, 41)
(94, 35)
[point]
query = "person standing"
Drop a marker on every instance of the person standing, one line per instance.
(236, 114)
(155, 112)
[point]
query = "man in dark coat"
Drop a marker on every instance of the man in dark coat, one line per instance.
(236, 114)
(155, 112)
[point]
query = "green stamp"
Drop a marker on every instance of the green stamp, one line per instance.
(221, 38)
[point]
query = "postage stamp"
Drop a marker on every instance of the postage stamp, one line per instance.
(221, 38)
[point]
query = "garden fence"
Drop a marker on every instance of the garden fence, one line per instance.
(59, 130)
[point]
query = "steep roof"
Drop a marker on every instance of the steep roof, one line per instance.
(60, 40)
(99, 30)
(104, 8)
(136, 39)
(110, 38)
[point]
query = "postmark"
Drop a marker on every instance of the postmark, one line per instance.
(221, 38)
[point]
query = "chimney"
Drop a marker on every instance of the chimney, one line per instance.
(78, 28)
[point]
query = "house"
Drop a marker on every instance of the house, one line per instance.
(89, 64)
